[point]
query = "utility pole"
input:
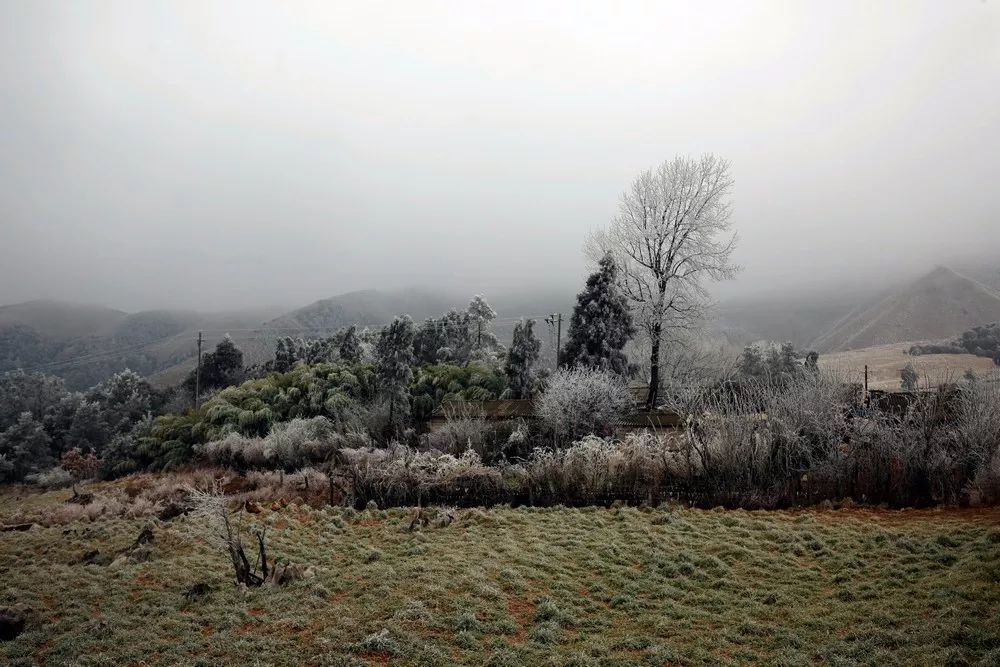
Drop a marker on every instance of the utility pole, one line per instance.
(555, 319)
(866, 385)
(197, 376)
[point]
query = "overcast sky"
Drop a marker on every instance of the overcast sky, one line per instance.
(213, 155)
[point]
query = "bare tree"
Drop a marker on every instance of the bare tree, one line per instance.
(672, 232)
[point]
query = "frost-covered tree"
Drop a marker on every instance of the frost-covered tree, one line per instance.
(220, 368)
(812, 361)
(27, 392)
(671, 234)
(25, 447)
(394, 355)
(601, 323)
(89, 430)
(6, 469)
(286, 354)
(350, 346)
(582, 401)
(522, 357)
(457, 326)
(124, 398)
(430, 339)
(908, 378)
(481, 316)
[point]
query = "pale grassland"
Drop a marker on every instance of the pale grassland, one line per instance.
(522, 586)
(886, 361)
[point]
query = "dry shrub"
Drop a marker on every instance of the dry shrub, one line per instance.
(597, 471)
(53, 478)
(401, 475)
(491, 441)
(289, 445)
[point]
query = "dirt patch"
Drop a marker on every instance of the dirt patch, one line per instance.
(989, 516)
(522, 611)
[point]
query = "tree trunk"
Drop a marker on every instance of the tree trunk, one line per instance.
(654, 369)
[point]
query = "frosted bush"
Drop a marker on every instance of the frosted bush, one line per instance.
(289, 445)
(53, 478)
(583, 401)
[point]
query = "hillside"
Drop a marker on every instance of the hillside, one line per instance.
(85, 344)
(366, 308)
(797, 318)
(60, 320)
(886, 361)
(507, 586)
(939, 305)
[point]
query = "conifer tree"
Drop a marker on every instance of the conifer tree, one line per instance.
(25, 447)
(394, 354)
(601, 323)
(481, 315)
(350, 347)
(285, 354)
(521, 360)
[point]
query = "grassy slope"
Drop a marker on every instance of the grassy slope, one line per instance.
(522, 586)
(886, 361)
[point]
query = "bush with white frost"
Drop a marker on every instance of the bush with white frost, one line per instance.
(583, 401)
(53, 478)
(289, 445)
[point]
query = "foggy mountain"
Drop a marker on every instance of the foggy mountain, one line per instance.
(85, 344)
(938, 305)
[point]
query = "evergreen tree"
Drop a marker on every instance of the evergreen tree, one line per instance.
(812, 361)
(285, 354)
(25, 447)
(751, 363)
(521, 359)
(124, 398)
(429, 341)
(220, 368)
(350, 347)
(908, 378)
(481, 316)
(457, 327)
(601, 323)
(394, 354)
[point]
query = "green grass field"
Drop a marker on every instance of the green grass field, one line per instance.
(525, 586)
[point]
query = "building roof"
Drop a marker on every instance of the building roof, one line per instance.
(500, 409)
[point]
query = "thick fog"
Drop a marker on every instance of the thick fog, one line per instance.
(216, 155)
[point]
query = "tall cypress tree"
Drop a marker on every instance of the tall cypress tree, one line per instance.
(394, 354)
(601, 323)
(350, 347)
(521, 359)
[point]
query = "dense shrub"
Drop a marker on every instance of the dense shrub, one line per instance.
(476, 381)
(813, 439)
(492, 441)
(290, 445)
(401, 475)
(982, 341)
(597, 471)
(583, 401)
(324, 390)
(53, 478)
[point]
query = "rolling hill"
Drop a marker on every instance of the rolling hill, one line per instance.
(941, 304)
(365, 308)
(85, 344)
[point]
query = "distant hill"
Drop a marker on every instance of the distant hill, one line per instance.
(938, 305)
(366, 308)
(85, 344)
(798, 319)
(59, 320)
